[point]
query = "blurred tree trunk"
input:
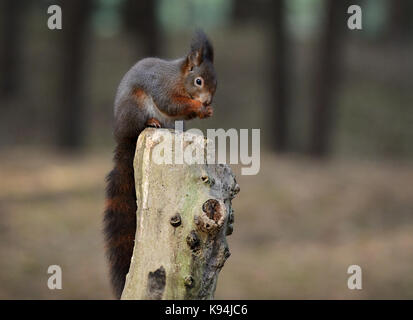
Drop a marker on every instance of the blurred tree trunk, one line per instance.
(326, 77)
(400, 13)
(279, 74)
(240, 10)
(140, 20)
(244, 11)
(74, 35)
(11, 32)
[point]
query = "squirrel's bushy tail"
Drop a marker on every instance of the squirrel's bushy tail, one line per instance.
(120, 214)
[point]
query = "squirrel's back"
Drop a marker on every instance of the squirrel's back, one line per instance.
(153, 75)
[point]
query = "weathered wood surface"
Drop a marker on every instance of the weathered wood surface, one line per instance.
(184, 215)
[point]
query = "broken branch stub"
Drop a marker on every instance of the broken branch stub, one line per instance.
(184, 215)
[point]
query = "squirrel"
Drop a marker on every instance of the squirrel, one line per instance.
(153, 93)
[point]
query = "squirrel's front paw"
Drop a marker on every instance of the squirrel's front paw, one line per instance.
(154, 123)
(206, 112)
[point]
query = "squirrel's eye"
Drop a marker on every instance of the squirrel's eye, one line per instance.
(199, 81)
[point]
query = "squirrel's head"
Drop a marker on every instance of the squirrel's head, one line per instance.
(198, 70)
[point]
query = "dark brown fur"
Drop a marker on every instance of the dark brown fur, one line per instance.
(120, 214)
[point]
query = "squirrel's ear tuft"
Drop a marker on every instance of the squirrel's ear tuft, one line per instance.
(201, 49)
(202, 46)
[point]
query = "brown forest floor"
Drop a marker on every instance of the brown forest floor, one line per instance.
(298, 225)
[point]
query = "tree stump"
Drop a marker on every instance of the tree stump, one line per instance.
(184, 215)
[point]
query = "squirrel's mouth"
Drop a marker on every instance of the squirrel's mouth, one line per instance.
(205, 102)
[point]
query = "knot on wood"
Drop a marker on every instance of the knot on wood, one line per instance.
(193, 241)
(189, 281)
(175, 220)
(156, 284)
(212, 218)
(212, 208)
(207, 180)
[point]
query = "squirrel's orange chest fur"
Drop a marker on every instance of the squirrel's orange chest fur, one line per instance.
(145, 102)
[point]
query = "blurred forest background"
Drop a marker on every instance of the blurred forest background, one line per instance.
(335, 111)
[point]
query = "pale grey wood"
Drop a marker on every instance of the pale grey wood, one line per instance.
(184, 215)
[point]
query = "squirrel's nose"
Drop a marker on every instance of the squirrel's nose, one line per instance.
(205, 98)
(208, 101)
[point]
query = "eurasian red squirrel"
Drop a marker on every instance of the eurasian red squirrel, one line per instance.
(153, 93)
